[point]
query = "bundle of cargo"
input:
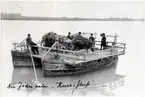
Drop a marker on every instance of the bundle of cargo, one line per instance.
(77, 42)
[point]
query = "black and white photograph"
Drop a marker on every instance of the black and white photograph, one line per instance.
(72, 49)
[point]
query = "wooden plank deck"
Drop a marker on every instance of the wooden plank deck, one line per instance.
(84, 57)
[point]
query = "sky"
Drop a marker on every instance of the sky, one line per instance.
(77, 9)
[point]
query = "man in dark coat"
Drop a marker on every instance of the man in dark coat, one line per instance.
(28, 40)
(32, 44)
(103, 41)
(69, 36)
(34, 48)
(92, 40)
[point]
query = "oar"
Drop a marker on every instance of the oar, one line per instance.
(33, 64)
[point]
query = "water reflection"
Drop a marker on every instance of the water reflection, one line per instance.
(102, 81)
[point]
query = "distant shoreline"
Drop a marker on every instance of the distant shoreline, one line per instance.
(12, 16)
(71, 19)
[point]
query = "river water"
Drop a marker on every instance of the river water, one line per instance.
(130, 67)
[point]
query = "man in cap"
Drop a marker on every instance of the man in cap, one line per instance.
(28, 40)
(103, 41)
(69, 36)
(79, 33)
(31, 44)
(92, 40)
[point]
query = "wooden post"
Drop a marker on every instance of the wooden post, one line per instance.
(115, 38)
(95, 39)
(124, 48)
(49, 50)
(21, 47)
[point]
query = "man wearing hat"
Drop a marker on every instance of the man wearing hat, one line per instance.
(28, 40)
(79, 33)
(69, 36)
(91, 38)
(79, 36)
(103, 41)
(31, 44)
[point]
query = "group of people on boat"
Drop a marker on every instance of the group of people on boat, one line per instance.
(80, 42)
(70, 42)
(92, 39)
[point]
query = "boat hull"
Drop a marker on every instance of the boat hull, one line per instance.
(82, 68)
(23, 59)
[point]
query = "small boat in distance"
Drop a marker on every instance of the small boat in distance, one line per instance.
(61, 62)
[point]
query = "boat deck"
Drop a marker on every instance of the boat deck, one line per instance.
(79, 58)
(54, 54)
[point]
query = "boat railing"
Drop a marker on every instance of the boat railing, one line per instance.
(117, 49)
(112, 49)
(20, 46)
(118, 45)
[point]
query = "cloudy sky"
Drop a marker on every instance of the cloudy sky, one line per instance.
(77, 9)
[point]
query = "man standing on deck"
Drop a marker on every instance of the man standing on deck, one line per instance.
(31, 44)
(103, 41)
(28, 40)
(78, 37)
(79, 34)
(92, 39)
(69, 36)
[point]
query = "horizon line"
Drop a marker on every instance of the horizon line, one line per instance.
(18, 16)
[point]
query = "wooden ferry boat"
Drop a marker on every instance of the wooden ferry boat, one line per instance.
(60, 62)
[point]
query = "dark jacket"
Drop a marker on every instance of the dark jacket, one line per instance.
(103, 41)
(91, 38)
(28, 40)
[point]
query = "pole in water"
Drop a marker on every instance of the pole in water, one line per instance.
(33, 64)
(33, 81)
